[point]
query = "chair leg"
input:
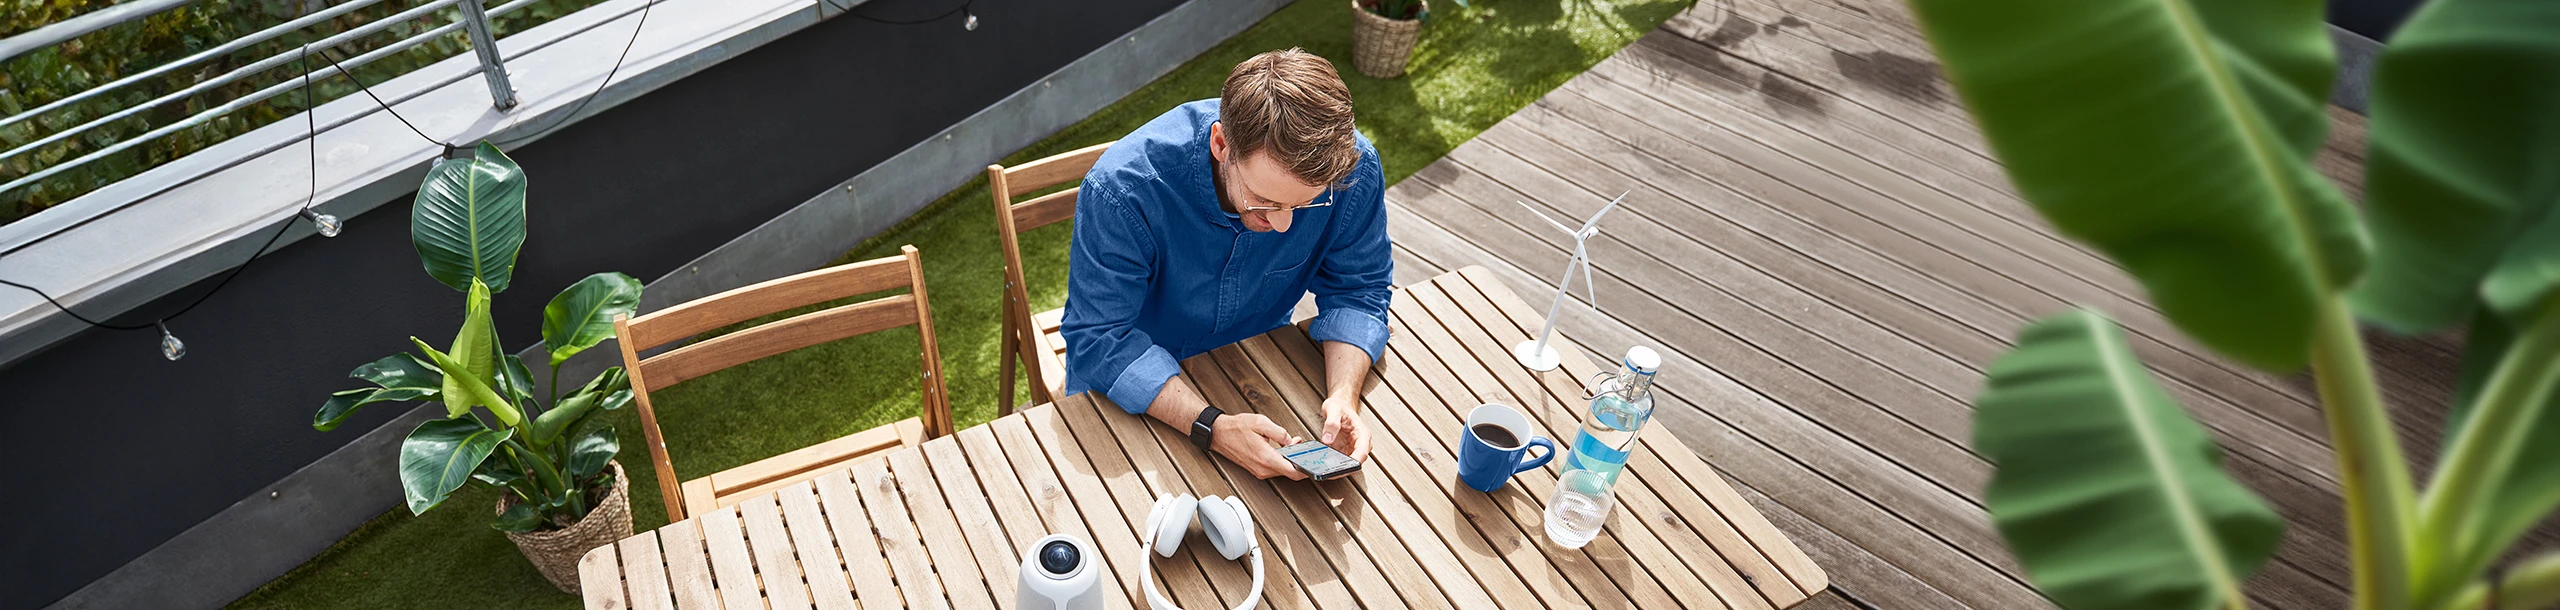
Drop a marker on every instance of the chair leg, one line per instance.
(1004, 359)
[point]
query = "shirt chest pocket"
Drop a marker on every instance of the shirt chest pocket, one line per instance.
(1281, 285)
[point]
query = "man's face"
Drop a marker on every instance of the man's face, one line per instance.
(1259, 181)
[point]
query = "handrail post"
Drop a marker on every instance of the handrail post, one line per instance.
(475, 20)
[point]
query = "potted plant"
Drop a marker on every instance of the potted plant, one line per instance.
(1382, 34)
(563, 492)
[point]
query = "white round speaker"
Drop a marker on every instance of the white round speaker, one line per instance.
(1060, 572)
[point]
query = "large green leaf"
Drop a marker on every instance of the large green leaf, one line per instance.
(400, 371)
(479, 391)
(2176, 137)
(402, 377)
(345, 403)
(475, 347)
(2110, 495)
(468, 220)
(595, 444)
(582, 316)
(609, 390)
(440, 455)
(2464, 161)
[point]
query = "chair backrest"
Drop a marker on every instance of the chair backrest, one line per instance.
(1012, 219)
(694, 317)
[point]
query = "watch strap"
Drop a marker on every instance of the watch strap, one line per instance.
(1202, 428)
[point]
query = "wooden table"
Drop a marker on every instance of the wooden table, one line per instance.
(944, 524)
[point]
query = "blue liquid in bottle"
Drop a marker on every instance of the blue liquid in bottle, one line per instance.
(1623, 404)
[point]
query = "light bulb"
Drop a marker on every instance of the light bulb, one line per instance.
(970, 21)
(326, 224)
(170, 347)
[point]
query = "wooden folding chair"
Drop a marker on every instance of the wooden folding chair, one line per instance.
(702, 495)
(1032, 338)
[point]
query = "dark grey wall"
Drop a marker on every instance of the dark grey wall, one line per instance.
(2375, 19)
(112, 450)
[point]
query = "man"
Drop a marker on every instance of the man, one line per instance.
(1205, 226)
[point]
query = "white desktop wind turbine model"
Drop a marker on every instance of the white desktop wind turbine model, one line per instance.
(1537, 354)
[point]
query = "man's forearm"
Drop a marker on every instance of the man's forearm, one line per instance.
(1178, 404)
(1346, 369)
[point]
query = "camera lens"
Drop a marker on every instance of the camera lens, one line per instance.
(1059, 557)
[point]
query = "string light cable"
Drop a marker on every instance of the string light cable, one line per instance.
(970, 22)
(327, 226)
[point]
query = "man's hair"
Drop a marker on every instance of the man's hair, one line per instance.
(1291, 104)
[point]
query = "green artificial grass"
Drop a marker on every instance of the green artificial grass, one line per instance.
(1473, 67)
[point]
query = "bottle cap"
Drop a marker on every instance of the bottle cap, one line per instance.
(1643, 360)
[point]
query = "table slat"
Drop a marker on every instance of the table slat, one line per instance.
(1149, 466)
(1197, 477)
(850, 521)
(1773, 544)
(777, 561)
(953, 562)
(644, 572)
(1431, 503)
(1422, 550)
(1367, 549)
(1526, 496)
(1048, 497)
(600, 579)
(733, 570)
(1640, 505)
(978, 527)
(688, 565)
(899, 541)
(1092, 477)
(820, 562)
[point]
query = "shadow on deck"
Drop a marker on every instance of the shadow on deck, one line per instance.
(1825, 251)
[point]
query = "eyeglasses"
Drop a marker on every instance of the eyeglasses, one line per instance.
(1266, 208)
(1328, 200)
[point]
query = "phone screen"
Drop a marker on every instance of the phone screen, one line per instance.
(1319, 460)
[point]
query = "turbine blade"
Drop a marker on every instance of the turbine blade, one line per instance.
(1543, 216)
(1604, 211)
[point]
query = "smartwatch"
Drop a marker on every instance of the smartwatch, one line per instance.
(1202, 428)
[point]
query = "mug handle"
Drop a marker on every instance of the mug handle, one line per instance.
(1542, 459)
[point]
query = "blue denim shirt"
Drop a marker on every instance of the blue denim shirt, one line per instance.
(1158, 272)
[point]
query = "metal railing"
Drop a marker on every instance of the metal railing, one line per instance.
(470, 18)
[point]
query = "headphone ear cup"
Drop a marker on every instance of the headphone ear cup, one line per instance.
(1171, 517)
(1228, 527)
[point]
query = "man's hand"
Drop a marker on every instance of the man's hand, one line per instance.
(1252, 441)
(1342, 429)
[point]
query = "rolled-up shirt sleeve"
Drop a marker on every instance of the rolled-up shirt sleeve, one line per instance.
(1357, 275)
(1110, 272)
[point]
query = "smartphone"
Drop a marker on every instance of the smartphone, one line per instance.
(1319, 460)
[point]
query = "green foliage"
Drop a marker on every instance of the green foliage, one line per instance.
(2181, 149)
(2175, 136)
(468, 221)
(582, 315)
(2110, 496)
(44, 76)
(2461, 179)
(476, 209)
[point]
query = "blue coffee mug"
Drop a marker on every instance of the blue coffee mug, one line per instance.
(1485, 464)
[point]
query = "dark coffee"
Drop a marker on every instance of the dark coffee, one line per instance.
(1497, 436)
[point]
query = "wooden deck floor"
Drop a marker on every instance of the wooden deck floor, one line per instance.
(1822, 247)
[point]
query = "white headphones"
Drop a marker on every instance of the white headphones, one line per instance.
(1224, 520)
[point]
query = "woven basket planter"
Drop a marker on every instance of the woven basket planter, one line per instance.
(1380, 47)
(555, 553)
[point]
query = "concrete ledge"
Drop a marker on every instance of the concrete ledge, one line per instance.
(144, 237)
(261, 537)
(2356, 55)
